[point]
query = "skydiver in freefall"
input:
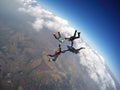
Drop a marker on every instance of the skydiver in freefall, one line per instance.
(55, 55)
(72, 38)
(59, 38)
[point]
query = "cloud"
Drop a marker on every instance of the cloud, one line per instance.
(30, 12)
(96, 68)
(45, 18)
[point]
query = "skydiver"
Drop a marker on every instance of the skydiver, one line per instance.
(72, 38)
(56, 54)
(59, 38)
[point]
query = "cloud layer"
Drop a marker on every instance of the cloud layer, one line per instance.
(45, 18)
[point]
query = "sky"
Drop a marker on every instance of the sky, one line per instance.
(99, 22)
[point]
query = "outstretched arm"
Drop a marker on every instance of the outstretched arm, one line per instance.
(67, 38)
(81, 48)
(64, 51)
(51, 55)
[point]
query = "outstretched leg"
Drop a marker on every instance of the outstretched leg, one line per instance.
(78, 35)
(55, 36)
(59, 34)
(71, 43)
(55, 58)
(50, 57)
(59, 47)
(75, 33)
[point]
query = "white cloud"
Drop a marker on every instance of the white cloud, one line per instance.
(96, 68)
(38, 24)
(45, 18)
